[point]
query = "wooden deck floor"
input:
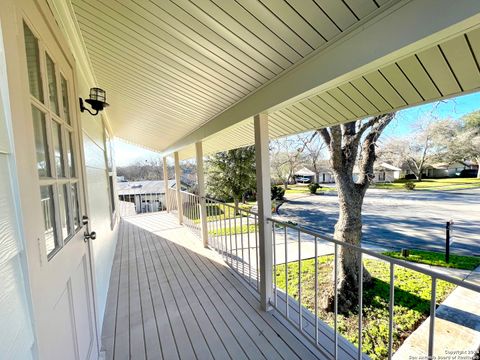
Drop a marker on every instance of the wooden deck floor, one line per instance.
(171, 299)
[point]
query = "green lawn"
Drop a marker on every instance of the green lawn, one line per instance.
(411, 308)
(433, 184)
(216, 212)
(303, 189)
(438, 259)
(233, 230)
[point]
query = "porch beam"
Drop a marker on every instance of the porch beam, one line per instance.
(262, 158)
(201, 193)
(400, 30)
(165, 181)
(178, 187)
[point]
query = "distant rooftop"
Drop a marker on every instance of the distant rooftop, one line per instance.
(144, 187)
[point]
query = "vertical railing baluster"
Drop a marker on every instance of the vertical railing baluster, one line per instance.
(241, 242)
(316, 291)
(218, 220)
(236, 240)
(299, 281)
(249, 251)
(274, 266)
(257, 260)
(335, 304)
(360, 305)
(286, 272)
(224, 234)
(390, 311)
(433, 306)
(230, 233)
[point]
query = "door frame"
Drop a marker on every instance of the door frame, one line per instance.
(24, 151)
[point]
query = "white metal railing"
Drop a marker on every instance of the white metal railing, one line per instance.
(233, 233)
(141, 201)
(302, 317)
(172, 199)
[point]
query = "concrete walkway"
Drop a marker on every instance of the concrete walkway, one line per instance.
(457, 326)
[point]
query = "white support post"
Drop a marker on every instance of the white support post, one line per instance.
(178, 187)
(262, 157)
(201, 193)
(165, 181)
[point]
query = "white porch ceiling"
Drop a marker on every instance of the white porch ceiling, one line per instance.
(170, 67)
(444, 70)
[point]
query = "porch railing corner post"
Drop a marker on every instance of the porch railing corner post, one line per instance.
(264, 209)
(178, 187)
(201, 193)
(165, 184)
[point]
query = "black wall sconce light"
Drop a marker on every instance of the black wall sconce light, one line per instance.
(96, 101)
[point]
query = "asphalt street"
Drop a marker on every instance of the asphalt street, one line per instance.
(399, 219)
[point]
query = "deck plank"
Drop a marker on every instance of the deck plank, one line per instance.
(236, 339)
(171, 299)
(151, 334)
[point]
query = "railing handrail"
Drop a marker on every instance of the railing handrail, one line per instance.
(231, 206)
(399, 262)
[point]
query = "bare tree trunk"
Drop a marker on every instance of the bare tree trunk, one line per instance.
(348, 229)
(344, 142)
(235, 203)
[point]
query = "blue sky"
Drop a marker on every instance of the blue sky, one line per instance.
(454, 108)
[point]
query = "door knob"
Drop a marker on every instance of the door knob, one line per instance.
(92, 235)
(88, 234)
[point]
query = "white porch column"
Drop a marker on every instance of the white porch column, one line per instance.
(178, 186)
(201, 193)
(262, 157)
(165, 180)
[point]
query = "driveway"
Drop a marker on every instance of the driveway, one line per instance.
(399, 219)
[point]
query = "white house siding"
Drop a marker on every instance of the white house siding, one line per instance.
(16, 330)
(98, 202)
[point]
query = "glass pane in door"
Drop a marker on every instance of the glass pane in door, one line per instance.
(41, 145)
(67, 228)
(75, 206)
(58, 149)
(52, 85)
(70, 159)
(48, 208)
(33, 63)
(66, 106)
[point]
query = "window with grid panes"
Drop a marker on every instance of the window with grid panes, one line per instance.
(110, 172)
(54, 134)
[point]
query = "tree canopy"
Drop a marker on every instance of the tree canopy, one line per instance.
(231, 174)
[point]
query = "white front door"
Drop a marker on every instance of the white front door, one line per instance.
(59, 258)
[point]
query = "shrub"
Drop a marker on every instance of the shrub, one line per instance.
(313, 187)
(409, 185)
(277, 192)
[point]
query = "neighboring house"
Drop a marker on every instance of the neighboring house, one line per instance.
(442, 170)
(382, 172)
(325, 173)
(148, 196)
(385, 172)
(304, 176)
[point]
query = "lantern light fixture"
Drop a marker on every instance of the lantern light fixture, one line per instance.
(97, 101)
